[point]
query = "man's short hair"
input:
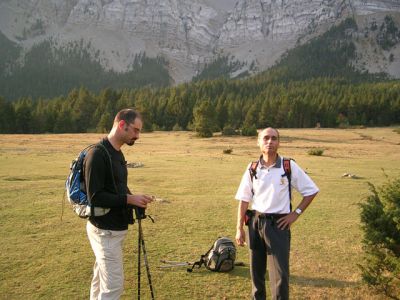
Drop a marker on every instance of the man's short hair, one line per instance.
(129, 115)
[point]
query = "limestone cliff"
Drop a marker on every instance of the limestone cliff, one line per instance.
(187, 33)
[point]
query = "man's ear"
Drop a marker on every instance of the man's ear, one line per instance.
(121, 125)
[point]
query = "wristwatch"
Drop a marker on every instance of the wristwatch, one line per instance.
(298, 211)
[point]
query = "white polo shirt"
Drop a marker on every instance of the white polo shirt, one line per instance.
(271, 187)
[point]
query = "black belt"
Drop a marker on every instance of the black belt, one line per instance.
(269, 216)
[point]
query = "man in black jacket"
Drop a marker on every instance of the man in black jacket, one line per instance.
(107, 188)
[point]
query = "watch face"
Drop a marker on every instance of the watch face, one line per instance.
(298, 211)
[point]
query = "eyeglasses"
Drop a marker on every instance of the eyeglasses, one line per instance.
(135, 129)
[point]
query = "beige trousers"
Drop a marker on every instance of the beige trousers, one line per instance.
(108, 271)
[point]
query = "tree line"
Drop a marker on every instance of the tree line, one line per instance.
(255, 102)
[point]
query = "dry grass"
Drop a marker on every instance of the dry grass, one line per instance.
(42, 257)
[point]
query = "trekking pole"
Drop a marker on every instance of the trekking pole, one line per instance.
(139, 251)
(140, 214)
(146, 263)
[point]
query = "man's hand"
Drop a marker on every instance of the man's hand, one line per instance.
(240, 237)
(139, 200)
(286, 221)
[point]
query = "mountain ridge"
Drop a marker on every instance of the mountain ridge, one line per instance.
(191, 34)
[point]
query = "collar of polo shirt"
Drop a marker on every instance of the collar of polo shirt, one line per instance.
(277, 163)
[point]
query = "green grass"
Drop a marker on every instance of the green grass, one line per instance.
(42, 257)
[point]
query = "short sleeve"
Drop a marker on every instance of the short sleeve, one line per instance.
(244, 192)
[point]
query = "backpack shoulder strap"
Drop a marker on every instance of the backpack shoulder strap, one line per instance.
(286, 166)
(288, 172)
(253, 173)
(100, 145)
(200, 262)
(253, 169)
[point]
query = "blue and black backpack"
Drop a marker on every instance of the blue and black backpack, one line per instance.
(76, 189)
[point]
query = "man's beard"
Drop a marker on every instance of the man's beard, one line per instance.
(131, 142)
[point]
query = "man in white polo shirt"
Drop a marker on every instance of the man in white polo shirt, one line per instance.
(266, 186)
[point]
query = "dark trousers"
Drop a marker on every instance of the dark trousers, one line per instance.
(269, 246)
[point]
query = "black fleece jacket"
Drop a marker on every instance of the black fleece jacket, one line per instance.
(100, 187)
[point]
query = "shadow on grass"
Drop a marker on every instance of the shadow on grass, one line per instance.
(320, 282)
(291, 139)
(241, 271)
(31, 178)
(244, 271)
(238, 271)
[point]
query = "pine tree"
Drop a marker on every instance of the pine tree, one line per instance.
(204, 119)
(23, 116)
(7, 117)
(105, 123)
(380, 217)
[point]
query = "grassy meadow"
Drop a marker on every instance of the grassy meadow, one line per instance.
(45, 257)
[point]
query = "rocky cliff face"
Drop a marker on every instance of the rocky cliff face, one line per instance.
(276, 20)
(187, 33)
(366, 7)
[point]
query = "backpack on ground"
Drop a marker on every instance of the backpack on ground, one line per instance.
(219, 258)
(76, 189)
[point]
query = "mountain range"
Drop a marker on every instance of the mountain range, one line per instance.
(188, 35)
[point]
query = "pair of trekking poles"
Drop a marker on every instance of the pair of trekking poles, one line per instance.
(140, 214)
